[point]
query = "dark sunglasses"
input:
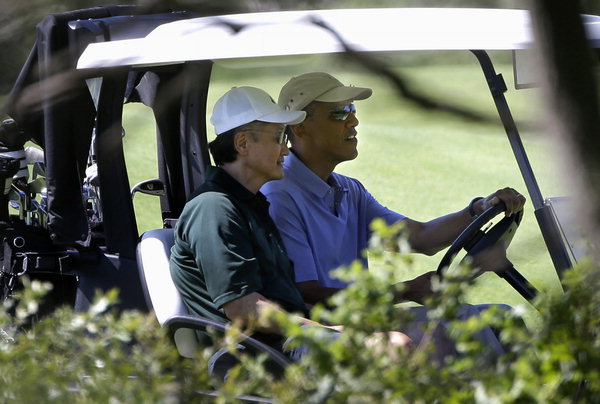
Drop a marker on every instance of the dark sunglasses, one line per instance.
(342, 113)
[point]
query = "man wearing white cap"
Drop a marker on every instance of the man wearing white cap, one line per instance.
(323, 216)
(228, 257)
(228, 260)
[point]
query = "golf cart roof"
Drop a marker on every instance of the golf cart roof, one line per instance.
(322, 31)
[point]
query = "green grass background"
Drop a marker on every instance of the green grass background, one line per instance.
(421, 163)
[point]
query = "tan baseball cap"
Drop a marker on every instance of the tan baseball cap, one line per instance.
(301, 90)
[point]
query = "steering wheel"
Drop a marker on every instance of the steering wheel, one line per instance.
(474, 240)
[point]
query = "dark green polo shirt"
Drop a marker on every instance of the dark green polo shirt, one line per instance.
(227, 246)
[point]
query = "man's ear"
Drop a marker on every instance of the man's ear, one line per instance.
(240, 142)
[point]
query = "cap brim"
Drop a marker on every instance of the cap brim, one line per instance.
(285, 117)
(345, 93)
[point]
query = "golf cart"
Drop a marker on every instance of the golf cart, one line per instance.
(72, 219)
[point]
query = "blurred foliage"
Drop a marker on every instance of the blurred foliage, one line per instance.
(97, 356)
(105, 356)
(553, 363)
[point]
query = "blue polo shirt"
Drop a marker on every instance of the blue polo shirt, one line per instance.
(324, 225)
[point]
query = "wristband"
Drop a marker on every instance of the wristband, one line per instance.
(471, 208)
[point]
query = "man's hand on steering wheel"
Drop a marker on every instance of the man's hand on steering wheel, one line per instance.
(492, 259)
(487, 247)
(513, 201)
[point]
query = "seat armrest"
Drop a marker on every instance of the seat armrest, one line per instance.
(202, 324)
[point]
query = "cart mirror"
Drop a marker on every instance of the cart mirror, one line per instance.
(525, 63)
(94, 85)
(150, 187)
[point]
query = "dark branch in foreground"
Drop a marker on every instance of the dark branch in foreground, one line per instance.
(376, 66)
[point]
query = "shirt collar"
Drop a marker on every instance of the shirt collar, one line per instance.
(300, 172)
(222, 178)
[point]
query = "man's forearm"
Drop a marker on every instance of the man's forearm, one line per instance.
(313, 293)
(249, 310)
(416, 290)
(437, 234)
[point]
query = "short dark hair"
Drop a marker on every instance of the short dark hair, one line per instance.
(222, 148)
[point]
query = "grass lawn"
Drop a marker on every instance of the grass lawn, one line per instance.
(421, 163)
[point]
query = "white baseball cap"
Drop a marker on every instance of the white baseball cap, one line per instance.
(318, 86)
(242, 105)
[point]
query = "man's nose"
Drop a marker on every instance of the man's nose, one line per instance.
(352, 120)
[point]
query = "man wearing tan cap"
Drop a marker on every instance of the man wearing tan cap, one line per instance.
(324, 217)
(228, 260)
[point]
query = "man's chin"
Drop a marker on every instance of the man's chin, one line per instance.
(277, 176)
(352, 156)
